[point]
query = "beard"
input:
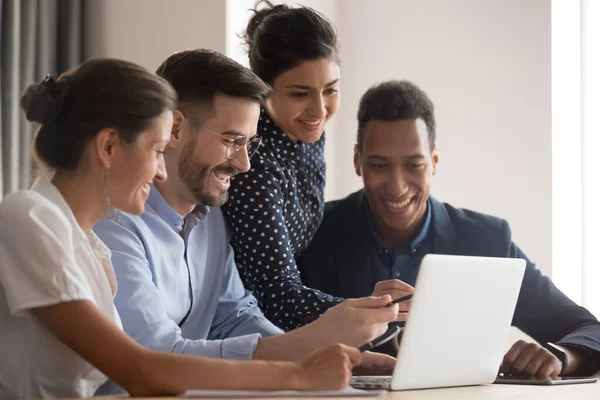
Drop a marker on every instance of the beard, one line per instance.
(194, 176)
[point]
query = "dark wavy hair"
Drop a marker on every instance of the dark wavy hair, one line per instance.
(279, 37)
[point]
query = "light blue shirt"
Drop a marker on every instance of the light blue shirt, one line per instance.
(179, 290)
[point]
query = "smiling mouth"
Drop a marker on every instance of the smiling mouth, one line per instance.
(223, 177)
(146, 188)
(398, 204)
(311, 123)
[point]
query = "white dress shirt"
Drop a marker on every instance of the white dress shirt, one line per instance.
(47, 259)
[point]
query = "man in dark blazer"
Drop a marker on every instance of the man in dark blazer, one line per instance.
(378, 236)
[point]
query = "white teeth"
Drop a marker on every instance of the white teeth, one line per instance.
(312, 122)
(146, 188)
(393, 204)
(222, 177)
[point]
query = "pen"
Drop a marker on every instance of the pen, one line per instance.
(400, 299)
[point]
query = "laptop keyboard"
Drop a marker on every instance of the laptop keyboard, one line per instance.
(371, 382)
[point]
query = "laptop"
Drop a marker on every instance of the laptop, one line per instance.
(458, 324)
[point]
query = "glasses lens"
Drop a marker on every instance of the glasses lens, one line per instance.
(230, 151)
(234, 146)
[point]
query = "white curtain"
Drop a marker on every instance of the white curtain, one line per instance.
(37, 37)
(590, 124)
(576, 150)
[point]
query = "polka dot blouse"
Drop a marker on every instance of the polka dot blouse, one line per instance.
(274, 210)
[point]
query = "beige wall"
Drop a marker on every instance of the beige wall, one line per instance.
(486, 66)
(484, 63)
(148, 31)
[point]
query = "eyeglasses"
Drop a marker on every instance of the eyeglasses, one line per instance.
(233, 145)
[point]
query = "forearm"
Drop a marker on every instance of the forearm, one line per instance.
(298, 306)
(352, 323)
(321, 333)
(292, 345)
(83, 328)
(167, 337)
(174, 374)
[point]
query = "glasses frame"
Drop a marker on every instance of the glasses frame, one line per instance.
(230, 144)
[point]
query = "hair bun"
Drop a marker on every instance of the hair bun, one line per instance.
(260, 15)
(42, 102)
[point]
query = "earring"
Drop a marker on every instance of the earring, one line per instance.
(109, 211)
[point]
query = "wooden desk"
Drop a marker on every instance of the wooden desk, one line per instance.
(588, 391)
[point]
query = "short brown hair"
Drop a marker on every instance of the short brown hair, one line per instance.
(101, 93)
(197, 75)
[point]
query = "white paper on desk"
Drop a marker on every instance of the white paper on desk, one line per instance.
(229, 394)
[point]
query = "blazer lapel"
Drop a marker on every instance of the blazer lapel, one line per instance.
(353, 267)
(444, 232)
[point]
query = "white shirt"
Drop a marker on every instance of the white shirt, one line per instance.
(46, 259)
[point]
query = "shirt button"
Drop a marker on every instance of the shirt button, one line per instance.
(397, 274)
(413, 250)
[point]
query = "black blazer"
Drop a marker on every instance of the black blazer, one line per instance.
(336, 263)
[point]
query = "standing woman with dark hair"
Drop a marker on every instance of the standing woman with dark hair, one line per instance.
(104, 128)
(275, 209)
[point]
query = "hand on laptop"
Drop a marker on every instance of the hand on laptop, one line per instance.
(327, 369)
(375, 364)
(356, 321)
(395, 288)
(530, 359)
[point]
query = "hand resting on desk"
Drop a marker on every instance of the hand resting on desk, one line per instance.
(531, 359)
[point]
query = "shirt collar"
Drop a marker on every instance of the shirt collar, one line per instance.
(158, 203)
(164, 210)
(47, 189)
(415, 243)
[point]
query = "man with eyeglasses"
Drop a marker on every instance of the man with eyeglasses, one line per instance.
(179, 289)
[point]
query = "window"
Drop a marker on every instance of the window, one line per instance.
(576, 150)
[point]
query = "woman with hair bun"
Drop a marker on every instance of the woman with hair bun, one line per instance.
(275, 209)
(103, 128)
